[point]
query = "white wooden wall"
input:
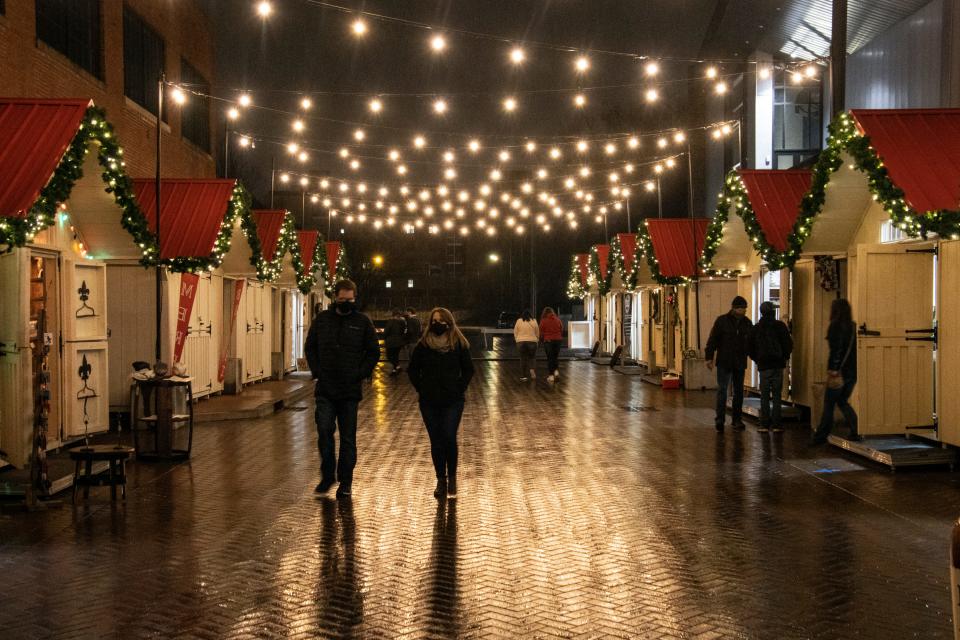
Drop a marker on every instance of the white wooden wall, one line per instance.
(948, 354)
(254, 331)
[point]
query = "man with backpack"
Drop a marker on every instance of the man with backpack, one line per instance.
(770, 348)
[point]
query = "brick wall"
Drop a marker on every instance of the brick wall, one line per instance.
(29, 68)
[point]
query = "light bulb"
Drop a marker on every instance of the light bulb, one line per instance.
(764, 73)
(810, 71)
(438, 43)
(579, 100)
(450, 173)
(355, 164)
(303, 156)
(244, 100)
(284, 178)
(584, 172)
(555, 153)
(359, 27)
(344, 152)
(671, 163)
(495, 175)
(306, 104)
(651, 69)
(517, 55)
(504, 156)
(449, 156)
(711, 72)
(581, 64)
(264, 9)
(419, 142)
(474, 146)
(375, 105)
(610, 149)
(244, 141)
(662, 143)
(679, 137)
(359, 135)
(531, 146)
(651, 95)
(721, 88)
(796, 77)
(304, 182)
(542, 174)
(440, 106)
(178, 95)
(298, 125)
(633, 142)
(582, 146)
(394, 155)
(292, 148)
(510, 105)
(233, 113)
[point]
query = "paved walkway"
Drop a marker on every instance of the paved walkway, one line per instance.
(603, 507)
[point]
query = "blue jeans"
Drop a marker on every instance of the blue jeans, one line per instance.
(771, 385)
(443, 422)
(331, 414)
(832, 399)
(726, 378)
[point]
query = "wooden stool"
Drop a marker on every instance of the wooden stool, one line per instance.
(115, 455)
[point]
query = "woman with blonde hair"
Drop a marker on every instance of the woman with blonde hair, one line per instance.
(440, 369)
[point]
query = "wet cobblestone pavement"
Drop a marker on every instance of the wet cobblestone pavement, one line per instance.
(603, 507)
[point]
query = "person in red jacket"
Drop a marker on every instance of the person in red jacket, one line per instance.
(551, 332)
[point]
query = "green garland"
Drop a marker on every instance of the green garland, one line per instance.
(16, 232)
(342, 273)
(734, 195)
(629, 274)
(575, 289)
(269, 270)
(603, 282)
(645, 248)
(307, 281)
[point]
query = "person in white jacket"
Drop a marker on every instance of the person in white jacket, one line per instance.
(526, 333)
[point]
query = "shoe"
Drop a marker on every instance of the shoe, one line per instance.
(854, 437)
(533, 374)
(324, 486)
(556, 374)
(776, 429)
(441, 491)
(738, 425)
(762, 429)
(451, 488)
(344, 492)
(550, 379)
(524, 379)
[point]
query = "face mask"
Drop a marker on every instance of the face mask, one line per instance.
(438, 328)
(345, 306)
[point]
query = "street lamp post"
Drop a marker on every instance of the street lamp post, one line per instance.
(158, 281)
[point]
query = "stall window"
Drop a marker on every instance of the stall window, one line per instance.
(143, 55)
(72, 27)
(196, 111)
(770, 289)
(889, 232)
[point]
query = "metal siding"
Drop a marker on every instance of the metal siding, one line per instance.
(192, 211)
(677, 244)
(921, 151)
(34, 135)
(269, 224)
(901, 67)
(775, 197)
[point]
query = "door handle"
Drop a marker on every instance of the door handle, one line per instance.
(863, 331)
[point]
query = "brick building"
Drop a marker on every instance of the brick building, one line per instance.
(110, 51)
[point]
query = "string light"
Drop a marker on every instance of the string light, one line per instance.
(233, 113)
(721, 88)
(583, 146)
(764, 73)
(178, 95)
(796, 77)
(651, 95)
(531, 146)
(504, 156)
(438, 43)
(359, 27)
(555, 153)
(579, 100)
(679, 137)
(375, 105)
(440, 106)
(633, 142)
(449, 156)
(610, 149)
(355, 164)
(651, 69)
(510, 104)
(517, 56)
(244, 141)
(474, 146)
(419, 142)
(662, 143)
(810, 71)
(359, 135)
(344, 153)
(712, 72)
(264, 9)
(581, 64)
(306, 104)
(245, 100)
(298, 126)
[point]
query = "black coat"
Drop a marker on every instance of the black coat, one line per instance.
(342, 351)
(395, 333)
(839, 338)
(729, 341)
(440, 377)
(765, 333)
(414, 330)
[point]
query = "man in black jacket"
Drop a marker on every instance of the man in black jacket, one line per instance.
(342, 351)
(727, 349)
(770, 347)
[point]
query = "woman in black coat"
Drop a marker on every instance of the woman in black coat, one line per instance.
(841, 371)
(440, 369)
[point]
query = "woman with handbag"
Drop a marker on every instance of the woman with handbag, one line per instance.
(440, 369)
(841, 371)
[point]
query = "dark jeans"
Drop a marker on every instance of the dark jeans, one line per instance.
(330, 415)
(442, 422)
(771, 386)
(552, 349)
(726, 378)
(393, 356)
(528, 357)
(832, 399)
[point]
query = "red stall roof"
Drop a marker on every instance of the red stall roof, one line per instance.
(191, 213)
(776, 197)
(628, 247)
(677, 244)
(269, 225)
(921, 150)
(583, 263)
(308, 244)
(603, 258)
(34, 135)
(333, 252)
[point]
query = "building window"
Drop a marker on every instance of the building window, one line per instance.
(389, 284)
(196, 112)
(797, 120)
(143, 55)
(409, 284)
(72, 27)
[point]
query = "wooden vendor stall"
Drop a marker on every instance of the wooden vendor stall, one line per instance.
(65, 202)
(311, 254)
(632, 281)
(580, 333)
(601, 275)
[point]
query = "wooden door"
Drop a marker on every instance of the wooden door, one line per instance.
(16, 397)
(85, 373)
(253, 331)
(198, 348)
(894, 303)
(948, 346)
(299, 311)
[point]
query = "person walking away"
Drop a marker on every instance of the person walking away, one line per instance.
(394, 339)
(727, 350)
(526, 334)
(440, 369)
(841, 371)
(551, 333)
(414, 330)
(342, 350)
(770, 347)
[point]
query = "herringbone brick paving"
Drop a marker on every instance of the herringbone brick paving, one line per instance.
(576, 519)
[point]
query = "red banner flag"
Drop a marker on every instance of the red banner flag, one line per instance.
(188, 293)
(228, 335)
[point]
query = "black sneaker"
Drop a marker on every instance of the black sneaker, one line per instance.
(344, 492)
(441, 491)
(324, 486)
(451, 488)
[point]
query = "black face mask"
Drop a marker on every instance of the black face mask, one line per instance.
(346, 306)
(438, 328)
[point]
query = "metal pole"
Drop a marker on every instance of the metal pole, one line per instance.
(273, 173)
(838, 57)
(303, 210)
(659, 200)
(533, 277)
(158, 283)
(328, 223)
(690, 175)
(629, 226)
(606, 235)
(226, 149)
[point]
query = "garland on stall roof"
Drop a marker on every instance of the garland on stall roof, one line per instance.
(307, 281)
(16, 232)
(342, 272)
(237, 207)
(846, 137)
(575, 289)
(734, 195)
(269, 270)
(616, 262)
(603, 282)
(645, 248)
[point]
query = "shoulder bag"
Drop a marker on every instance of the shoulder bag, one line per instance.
(835, 380)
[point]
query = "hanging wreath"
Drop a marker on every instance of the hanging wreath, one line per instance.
(828, 273)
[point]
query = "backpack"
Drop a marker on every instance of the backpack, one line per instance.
(768, 342)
